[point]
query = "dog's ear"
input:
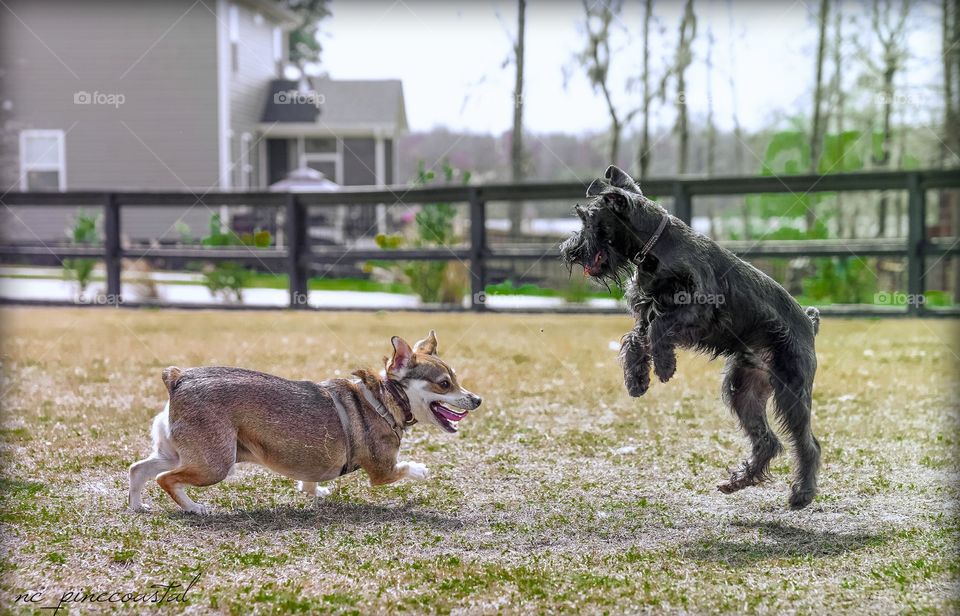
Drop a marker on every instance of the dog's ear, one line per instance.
(596, 187)
(402, 357)
(428, 345)
(619, 178)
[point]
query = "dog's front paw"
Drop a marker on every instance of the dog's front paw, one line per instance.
(418, 471)
(665, 365)
(636, 384)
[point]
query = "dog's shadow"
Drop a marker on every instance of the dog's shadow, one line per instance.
(327, 513)
(778, 540)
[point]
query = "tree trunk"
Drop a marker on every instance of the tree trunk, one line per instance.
(839, 102)
(711, 132)
(688, 30)
(516, 143)
(737, 131)
(884, 159)
(643, 153)
(816, 132)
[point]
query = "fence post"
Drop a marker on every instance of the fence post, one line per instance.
(916, 243)
(682, 203)
(478, 249)
(297, 252)
(111, 251)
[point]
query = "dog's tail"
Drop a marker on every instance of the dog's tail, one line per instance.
(814, 315)
(171, 376)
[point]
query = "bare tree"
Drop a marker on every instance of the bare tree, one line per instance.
(711, 128)
(839, 101)
(517, 166)
(595, 59)
(643, 152)
(737, 129)
(951, 122)
(683, 59)
(889, 28)
(817, 130)
(951, 82)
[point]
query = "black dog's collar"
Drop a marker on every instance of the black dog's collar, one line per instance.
(640, 256)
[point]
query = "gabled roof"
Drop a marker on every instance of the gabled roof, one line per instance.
(341, 104)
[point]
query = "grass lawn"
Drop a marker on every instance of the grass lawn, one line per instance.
(560, 494)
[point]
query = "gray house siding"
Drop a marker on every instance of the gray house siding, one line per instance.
(256, 67)
(359, 162)
(160, 57)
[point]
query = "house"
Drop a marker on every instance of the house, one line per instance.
(172, 96)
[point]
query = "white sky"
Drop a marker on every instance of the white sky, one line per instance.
(450, 57)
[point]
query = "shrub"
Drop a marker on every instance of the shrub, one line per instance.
(433, 281)
(228, 279)
(83, 232)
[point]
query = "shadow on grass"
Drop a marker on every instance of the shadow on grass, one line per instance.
(779, 540)
(328, 514)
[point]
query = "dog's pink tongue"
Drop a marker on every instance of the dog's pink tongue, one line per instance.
(448, 414)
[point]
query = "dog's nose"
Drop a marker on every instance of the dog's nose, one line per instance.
(476, 400)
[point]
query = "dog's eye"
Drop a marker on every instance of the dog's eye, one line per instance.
(445, 384)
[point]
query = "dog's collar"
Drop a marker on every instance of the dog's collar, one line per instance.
(381, 410)
(640, 256)
(394, 390)
(400, 396)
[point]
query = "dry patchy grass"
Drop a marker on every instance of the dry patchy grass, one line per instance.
(530, 508)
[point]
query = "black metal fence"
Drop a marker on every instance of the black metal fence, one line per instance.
(297, 258)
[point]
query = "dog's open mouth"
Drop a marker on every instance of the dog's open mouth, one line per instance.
(593, 268)
(446, 417)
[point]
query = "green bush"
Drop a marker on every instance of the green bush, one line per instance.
(83, 232)
(228, 279)
(433, 281)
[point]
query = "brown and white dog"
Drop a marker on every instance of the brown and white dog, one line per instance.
(308, 431)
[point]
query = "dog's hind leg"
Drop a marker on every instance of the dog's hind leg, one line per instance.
(792, 382)
(746, 389)
(163, 458)
(207, 454)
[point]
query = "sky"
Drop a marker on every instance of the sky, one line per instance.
(454, 60)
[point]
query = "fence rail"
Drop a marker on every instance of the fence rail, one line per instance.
(299, 259)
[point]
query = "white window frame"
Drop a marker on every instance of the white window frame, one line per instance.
(60, 167)
(303, 158)
(233, 30)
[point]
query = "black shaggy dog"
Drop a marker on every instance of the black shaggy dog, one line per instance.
(686, 291)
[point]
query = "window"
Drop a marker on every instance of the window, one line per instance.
(43, 165)
(323, 154)
(234, 17)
